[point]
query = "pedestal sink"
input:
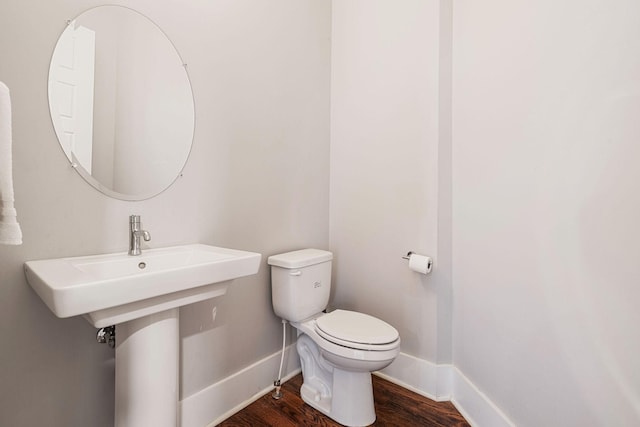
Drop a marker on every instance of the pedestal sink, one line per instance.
(141, 295)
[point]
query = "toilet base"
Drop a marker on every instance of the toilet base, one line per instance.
(344, 396)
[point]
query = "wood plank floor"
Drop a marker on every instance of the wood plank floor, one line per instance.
(395, 406)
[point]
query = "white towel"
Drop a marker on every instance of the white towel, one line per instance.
(10, 233)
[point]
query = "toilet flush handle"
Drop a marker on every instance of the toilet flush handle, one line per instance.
(296, 273)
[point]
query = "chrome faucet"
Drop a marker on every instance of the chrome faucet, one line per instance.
(135, 232)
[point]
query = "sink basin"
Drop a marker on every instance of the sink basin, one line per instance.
(115, 288)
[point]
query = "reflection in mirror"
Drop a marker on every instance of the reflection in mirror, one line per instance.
(121, 102)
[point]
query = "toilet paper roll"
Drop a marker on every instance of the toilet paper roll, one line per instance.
(420, 263)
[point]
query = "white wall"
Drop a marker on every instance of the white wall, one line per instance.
(263, 89)
(257, 179)
(385, 132)
(546, 207)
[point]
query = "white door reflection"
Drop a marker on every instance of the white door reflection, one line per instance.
(71, 84)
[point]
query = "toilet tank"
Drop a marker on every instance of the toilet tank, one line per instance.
(300, 283)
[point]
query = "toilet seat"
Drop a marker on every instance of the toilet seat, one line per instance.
(357, 330)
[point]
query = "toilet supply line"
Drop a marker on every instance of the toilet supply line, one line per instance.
(277, 394)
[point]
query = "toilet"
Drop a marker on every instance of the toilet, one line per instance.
(338, 350)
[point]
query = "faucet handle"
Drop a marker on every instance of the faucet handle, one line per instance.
(146, 235)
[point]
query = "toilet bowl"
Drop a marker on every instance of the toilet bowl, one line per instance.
(337, 377)
(338, 350)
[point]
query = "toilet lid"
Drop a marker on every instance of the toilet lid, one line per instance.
(355, 329)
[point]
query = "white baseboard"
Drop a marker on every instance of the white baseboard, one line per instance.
(474, 405)
(420, 376)
(443, 383)
(219, 401)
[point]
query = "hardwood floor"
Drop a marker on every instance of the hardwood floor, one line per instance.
(395, 406)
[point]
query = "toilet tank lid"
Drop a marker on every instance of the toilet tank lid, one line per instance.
(301, 258)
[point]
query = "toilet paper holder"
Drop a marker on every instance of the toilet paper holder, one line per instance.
(408, 255)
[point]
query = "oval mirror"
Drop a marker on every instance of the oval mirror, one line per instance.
(121, 102)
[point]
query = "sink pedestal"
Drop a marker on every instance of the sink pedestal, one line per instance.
(147, 357)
